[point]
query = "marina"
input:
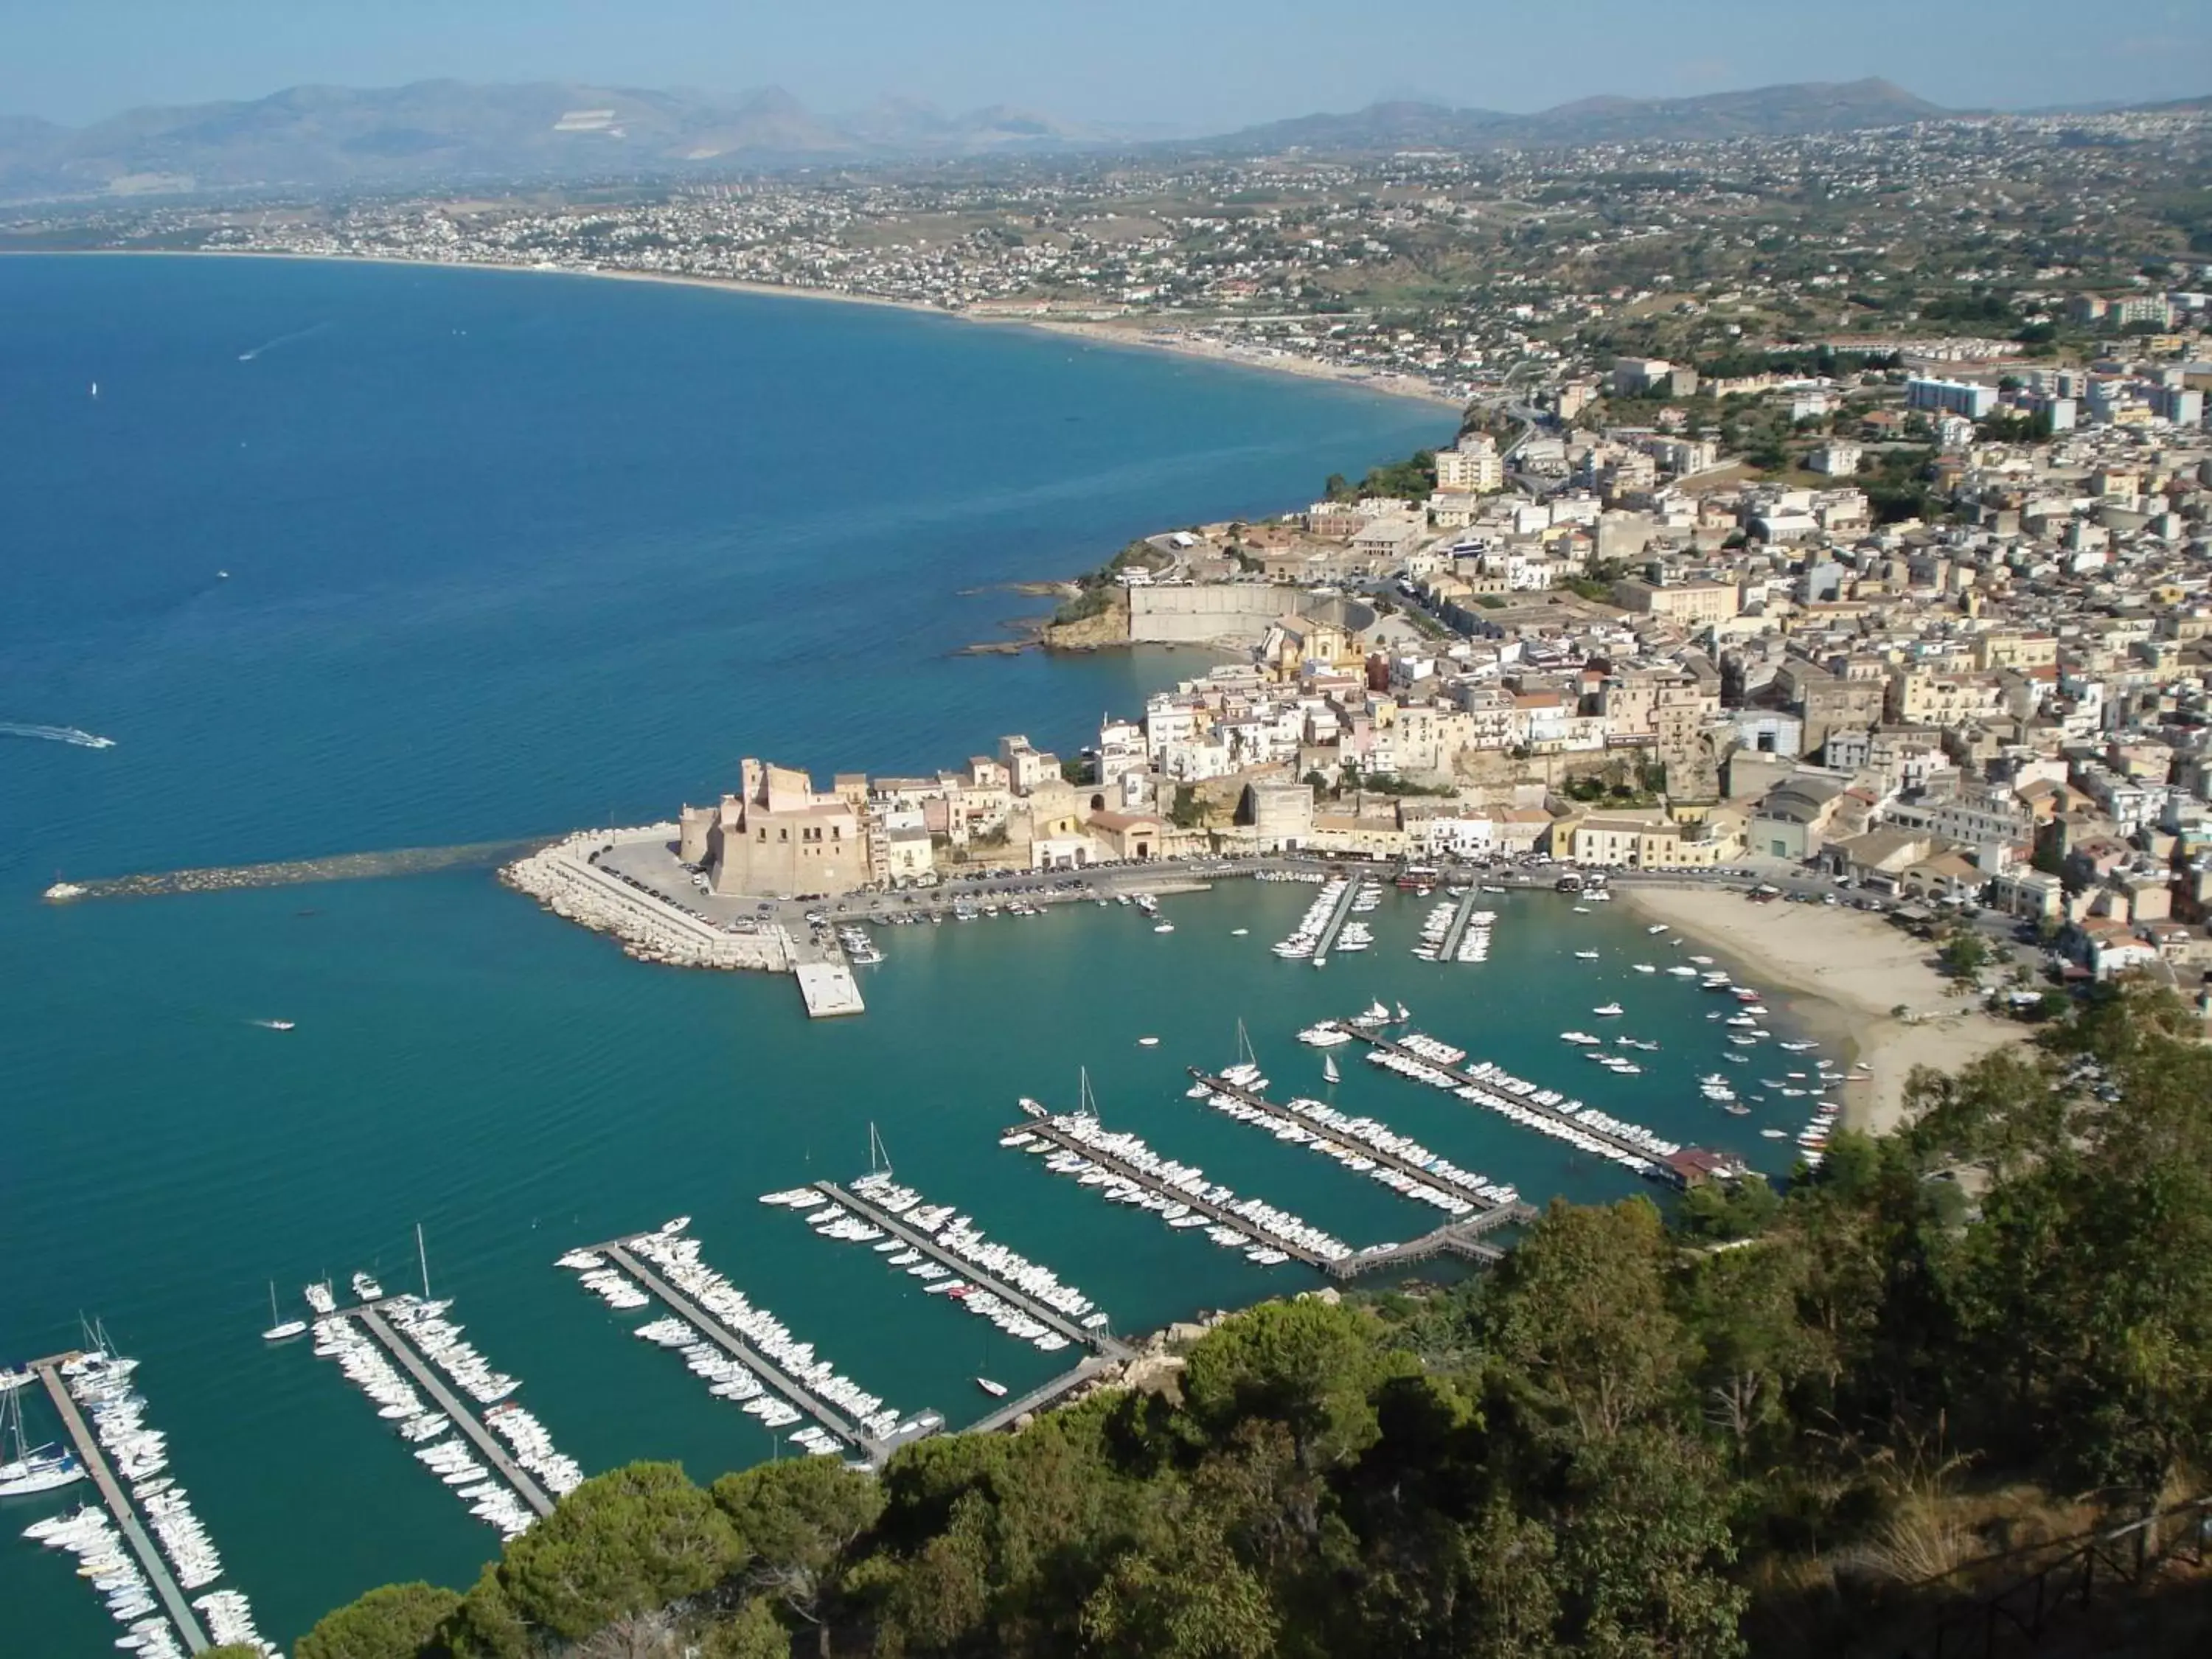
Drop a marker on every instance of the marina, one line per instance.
(874, 1439)
(52, 1372)
(930, 1242)
(1349, 900)
(1429, 1179)
(1145, 1175)
(1462, 914)
(459, 1415)
(1547, 1111)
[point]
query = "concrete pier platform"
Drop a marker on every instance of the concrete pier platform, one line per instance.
(830, 990)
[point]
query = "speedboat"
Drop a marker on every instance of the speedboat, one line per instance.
(1610, 1008)
(1586, 956)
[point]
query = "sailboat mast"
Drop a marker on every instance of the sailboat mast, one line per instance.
(423, 1256)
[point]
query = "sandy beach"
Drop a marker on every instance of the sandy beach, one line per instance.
(1847, 970)
(1139, 335)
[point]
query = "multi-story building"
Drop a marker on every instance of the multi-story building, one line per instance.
(777, 835)
(1968, 397)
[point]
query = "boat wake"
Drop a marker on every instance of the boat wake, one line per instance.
(282, 340)
(56, 734)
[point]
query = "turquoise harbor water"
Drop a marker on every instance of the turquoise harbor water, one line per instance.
(508, 554)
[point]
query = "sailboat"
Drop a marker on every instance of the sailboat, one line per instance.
(31, 1471)
(280, 1330)
(1328, 1069)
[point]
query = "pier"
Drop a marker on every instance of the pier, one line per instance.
(830, 990)
(94, 1459)
(1045, 1129)
(1662, 1168)
(743, 1352)
(1492, 1213)
(450, 1403)
(1009, 1413)
(927, 1244)
(1469, 902)
(1338, 917)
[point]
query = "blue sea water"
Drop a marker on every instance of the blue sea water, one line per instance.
(510, 553)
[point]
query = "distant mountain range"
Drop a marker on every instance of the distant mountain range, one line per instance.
(328, 138)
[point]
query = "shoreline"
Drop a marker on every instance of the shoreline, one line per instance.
(1153, 337)
(1845, 972)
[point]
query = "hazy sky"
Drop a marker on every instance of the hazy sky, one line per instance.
(1201, 64)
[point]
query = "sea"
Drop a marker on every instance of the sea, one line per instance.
(347, 557)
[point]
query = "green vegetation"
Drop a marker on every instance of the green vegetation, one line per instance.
(1186, 811)
(1773, 1426)
(1622, 783)
(1096, 589)
(1964, 954)
(1412, 479)
(396, 1622)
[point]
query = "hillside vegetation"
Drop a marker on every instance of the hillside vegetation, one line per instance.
(1773, 1423)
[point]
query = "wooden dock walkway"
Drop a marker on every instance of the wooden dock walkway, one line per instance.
(1009, 1413)
(463, 1418)
(743, 1351)
(1490, 1210)
(927, 1244)
(94, 1459)
(1045, 1129)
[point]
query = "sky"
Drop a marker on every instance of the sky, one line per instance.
(1194, 65)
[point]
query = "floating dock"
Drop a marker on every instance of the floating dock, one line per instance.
(1098, 1340)
(94, 1459)
(463, 1418)
(1495, 1098)
(830, 990)
(1469, 902)
(1493, 1213)
(1045, 1129)
(771, 1374)
(1338, 917)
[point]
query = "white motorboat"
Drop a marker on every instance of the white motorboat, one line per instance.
(1586, 956)
(366, 1289)
(1609, 1009)
(996, 1390)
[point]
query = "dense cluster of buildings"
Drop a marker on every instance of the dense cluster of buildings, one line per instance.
(2003, 702)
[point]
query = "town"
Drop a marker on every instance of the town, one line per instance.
(1605, 647)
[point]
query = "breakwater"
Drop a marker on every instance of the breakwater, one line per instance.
(292, 872)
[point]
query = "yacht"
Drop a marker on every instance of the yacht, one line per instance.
(27, 1472)
(1582, 1037)
(281, 1330)
(1610, 1008)
(366, 1289)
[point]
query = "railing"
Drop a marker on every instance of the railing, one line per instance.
(2022, 1611)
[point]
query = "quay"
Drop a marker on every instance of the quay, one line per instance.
(927, 1244)
(1342, 915)
(450, 1403)
(1662, 1168)
(738, 1348)
(95, 1459)
(1008, 1413)
(829, 990)
(1468, 902)
(1492, 1213)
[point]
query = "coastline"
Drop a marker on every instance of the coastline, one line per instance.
(1845, 971)
(1152, 337)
